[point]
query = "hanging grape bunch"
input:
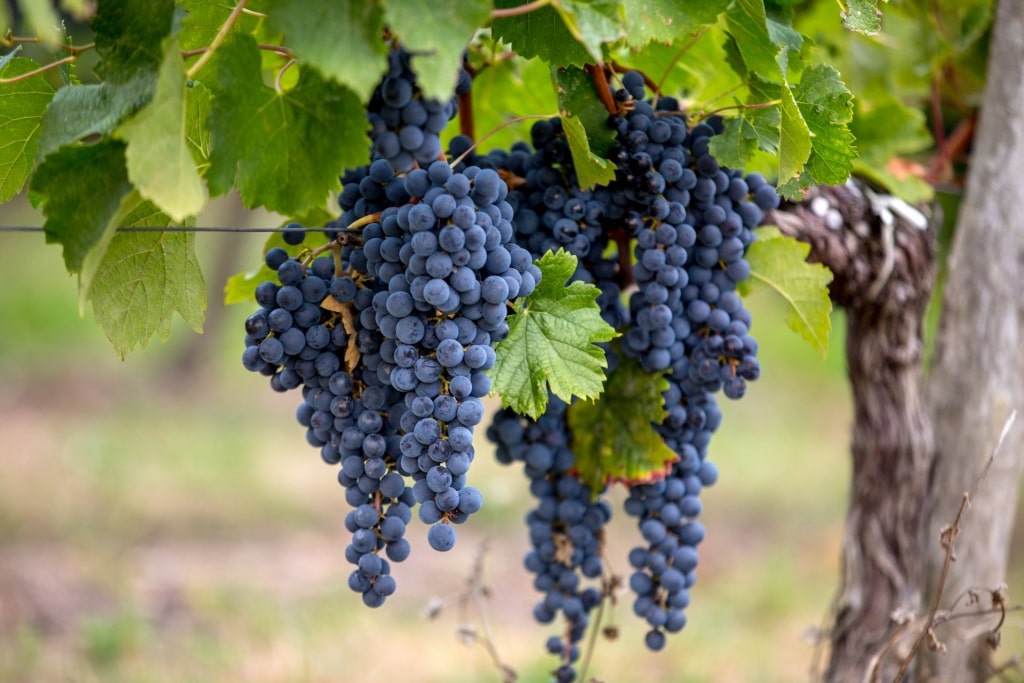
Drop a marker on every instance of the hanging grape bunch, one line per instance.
(392, 331)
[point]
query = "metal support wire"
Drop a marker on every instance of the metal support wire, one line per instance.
(171, 228)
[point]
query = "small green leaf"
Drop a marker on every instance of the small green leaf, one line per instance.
(827, 107)
(780, 263)
(285, 150)
(664, 21)
(551, 344)
(160, 163)
(142, 281)
(862, 16)
(585, 121)
(577, 97)
(241, 287)
(441, 29)
(613, 437)
(340, 38)
(540, 33)
(82, 189)
(21, 111)
(591, 169)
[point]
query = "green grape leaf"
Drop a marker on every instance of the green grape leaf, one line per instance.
(748, 25)
(143, 280)
(160, 163)
(128, 40)
(340, 38)
(82, 189)
(551, 344)
(613, 437)
(827, 108)
(21, 111)
(780, 263)
(241, 287)
(664, 21)
(285, 150)
(540, 33)
(737, 143)
(795, 142)
(862, 16)
(441, 29)
(591, 169)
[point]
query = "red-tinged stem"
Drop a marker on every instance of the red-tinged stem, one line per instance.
(466, 123)
(655, 88)
(600, 79)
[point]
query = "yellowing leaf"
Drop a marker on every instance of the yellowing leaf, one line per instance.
(613, 436)
(780, 263)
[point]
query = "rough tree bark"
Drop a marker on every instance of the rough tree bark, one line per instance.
(883, 264)
(977, 377)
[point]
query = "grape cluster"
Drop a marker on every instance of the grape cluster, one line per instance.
(566, 527)
(439, 257)
(405, 126)
(688, 223)
(347, 412)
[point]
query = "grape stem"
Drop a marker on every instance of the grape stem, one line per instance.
(280, 73)
(520, 10)
(218, 39)
(519, 119)
(75, 52)
(675, 60)
(595, 627)
(343, 236)
(600, 79)
(466, 126)
(758, 105)
(279, 49)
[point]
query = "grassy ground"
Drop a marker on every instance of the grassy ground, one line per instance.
(163, 520)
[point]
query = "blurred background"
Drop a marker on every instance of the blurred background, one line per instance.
(162, 519)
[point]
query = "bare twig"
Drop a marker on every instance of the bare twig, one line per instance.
(519, 119)
(947, 538)
(521, 9)
(604, 93)
(73, 57)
